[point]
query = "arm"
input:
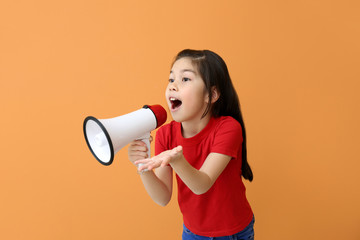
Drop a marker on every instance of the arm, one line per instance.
(158, 184)
(199, 181)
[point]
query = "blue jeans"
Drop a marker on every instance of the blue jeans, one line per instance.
(246, 234)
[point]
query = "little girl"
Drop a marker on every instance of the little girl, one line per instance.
(206, 147)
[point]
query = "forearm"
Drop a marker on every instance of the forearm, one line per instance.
(157, 190)
(198, 182)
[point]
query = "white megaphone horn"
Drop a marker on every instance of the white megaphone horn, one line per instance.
(105, 137)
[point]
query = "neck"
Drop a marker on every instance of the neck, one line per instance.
(191, 128)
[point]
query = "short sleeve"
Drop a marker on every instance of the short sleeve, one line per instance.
(228, 138)
(160, 141)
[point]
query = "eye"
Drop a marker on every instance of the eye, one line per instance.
(185, 79)
(171, 80)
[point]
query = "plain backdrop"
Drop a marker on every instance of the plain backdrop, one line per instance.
(294, 64)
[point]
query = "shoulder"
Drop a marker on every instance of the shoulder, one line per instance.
(227, 123)
(227, 136)
(167, 130)
(168, 127)
(165, 137)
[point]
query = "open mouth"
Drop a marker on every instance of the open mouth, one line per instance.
(175, 103)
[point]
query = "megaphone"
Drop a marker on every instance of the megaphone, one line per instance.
(105, 137)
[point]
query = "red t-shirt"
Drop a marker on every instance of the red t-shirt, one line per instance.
(223, 210)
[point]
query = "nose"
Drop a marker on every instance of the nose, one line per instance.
(173, 86)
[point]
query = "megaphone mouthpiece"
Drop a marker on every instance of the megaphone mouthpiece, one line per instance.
(159, 112)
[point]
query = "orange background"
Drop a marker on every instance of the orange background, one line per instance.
(295, 65)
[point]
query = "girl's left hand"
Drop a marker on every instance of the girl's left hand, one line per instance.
(162, 159)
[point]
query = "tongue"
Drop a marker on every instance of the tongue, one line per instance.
(175, 104)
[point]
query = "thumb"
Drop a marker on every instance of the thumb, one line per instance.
(177, 150)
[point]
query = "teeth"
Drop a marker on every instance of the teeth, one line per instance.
(172, 99)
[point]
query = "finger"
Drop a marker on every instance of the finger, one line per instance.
(167, 160)
(178, 148)
(137, 152)
(144, 166)
(153, 165)
(173, 153)
(164, 163)
(150, 163)
(145, 161)
(141, 168)
(137, 143)
(138, 156)
(138, 148)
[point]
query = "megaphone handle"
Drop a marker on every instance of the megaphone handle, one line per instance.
(146, 139)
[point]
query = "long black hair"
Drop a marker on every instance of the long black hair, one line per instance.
(214, 72)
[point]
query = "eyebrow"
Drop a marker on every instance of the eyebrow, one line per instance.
(186, 70)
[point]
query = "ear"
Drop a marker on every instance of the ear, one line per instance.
(215, 94)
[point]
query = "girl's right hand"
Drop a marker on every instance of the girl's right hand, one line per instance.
(137, 150)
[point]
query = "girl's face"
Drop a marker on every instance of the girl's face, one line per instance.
(186, 94)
